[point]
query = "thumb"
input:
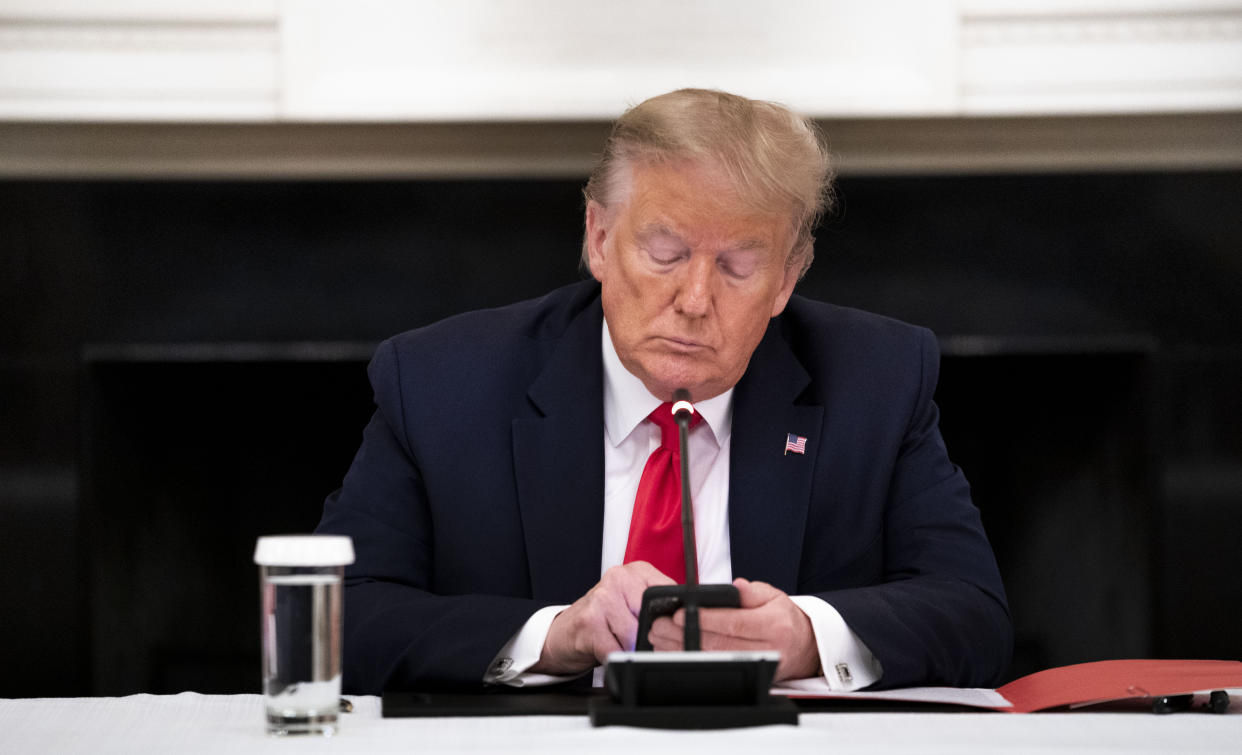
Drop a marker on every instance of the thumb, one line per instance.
(755, 594)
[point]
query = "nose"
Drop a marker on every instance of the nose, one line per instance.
(694, 290)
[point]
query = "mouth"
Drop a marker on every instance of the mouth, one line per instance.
(682, 345)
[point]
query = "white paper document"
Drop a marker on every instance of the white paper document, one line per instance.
(975, 697)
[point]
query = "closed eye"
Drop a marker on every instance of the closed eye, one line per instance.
(665, 251)
(665, 257)
(739, 264)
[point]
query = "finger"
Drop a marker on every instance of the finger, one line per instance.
(621, 623)
(664, 635)
(664, 628)
(739, 623)
(679, 617)
(638, 576)
(648, 573)
(667, 646)
(755, 594)
(606, 642)
(624, 584)
(752, 621)
(633, 595)
(743, 623)
(605, 612)
(716, 641)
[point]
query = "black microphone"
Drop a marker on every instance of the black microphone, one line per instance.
(692, 596)
(683, 414)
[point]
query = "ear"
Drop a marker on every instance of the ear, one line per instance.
(788, 282)
(597, 230)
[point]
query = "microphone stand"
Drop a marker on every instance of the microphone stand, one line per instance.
(690, 689)
(683, 411)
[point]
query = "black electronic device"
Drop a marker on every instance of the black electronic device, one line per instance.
(695, 689)
(690, 689)
(664, 600)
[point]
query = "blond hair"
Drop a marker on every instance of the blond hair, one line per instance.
(774, 157)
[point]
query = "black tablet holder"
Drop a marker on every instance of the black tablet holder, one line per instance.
(690, 689)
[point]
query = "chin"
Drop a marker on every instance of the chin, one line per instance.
(670, 374)
(699, 389)
(663, 388)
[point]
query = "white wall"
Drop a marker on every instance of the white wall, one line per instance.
(512, 60)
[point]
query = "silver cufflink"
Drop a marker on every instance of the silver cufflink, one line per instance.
(843, 673)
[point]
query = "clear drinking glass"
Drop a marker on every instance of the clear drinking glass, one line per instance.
(301, 608)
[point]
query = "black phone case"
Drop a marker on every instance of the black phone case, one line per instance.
(664, 600)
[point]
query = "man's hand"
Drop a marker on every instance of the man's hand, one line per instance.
(767, 620)
(603, 620)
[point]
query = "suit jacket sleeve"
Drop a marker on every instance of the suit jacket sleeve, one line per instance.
(399, 633)
(938, 613)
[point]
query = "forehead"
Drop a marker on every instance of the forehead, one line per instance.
(698, 202)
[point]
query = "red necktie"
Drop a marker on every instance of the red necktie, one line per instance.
(655, 525)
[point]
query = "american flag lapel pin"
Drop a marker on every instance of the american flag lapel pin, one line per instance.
(795, 443)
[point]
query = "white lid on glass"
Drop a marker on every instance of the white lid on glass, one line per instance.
(304, 550)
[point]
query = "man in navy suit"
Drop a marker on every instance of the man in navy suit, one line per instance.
(490, 503)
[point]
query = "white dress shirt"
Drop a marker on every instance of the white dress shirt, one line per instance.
(628, 441)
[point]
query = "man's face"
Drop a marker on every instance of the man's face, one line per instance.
(690, 276)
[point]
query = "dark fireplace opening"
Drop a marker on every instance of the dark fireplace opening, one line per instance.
(183, 369)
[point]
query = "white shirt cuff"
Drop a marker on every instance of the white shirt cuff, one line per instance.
(846, 661)
(522, 651)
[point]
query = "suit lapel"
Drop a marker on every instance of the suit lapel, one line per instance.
(769, 490)
(559, 463)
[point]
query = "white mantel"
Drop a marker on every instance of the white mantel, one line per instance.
(524, 87)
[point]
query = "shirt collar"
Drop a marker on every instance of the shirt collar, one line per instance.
(627, 401)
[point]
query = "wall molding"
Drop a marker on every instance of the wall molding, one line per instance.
(138, 64)
(53, 35)
(1000, 29)
(1120, 57)
(1185, 141)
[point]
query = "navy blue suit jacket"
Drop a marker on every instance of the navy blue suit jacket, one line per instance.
(477, 495)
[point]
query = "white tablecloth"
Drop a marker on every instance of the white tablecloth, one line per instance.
(233, 724)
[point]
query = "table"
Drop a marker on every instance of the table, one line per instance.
(233, 724)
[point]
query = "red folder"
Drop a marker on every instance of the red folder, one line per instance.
(1102, 681)
(1078, 685)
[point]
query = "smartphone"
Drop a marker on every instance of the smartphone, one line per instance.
(664, 600)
